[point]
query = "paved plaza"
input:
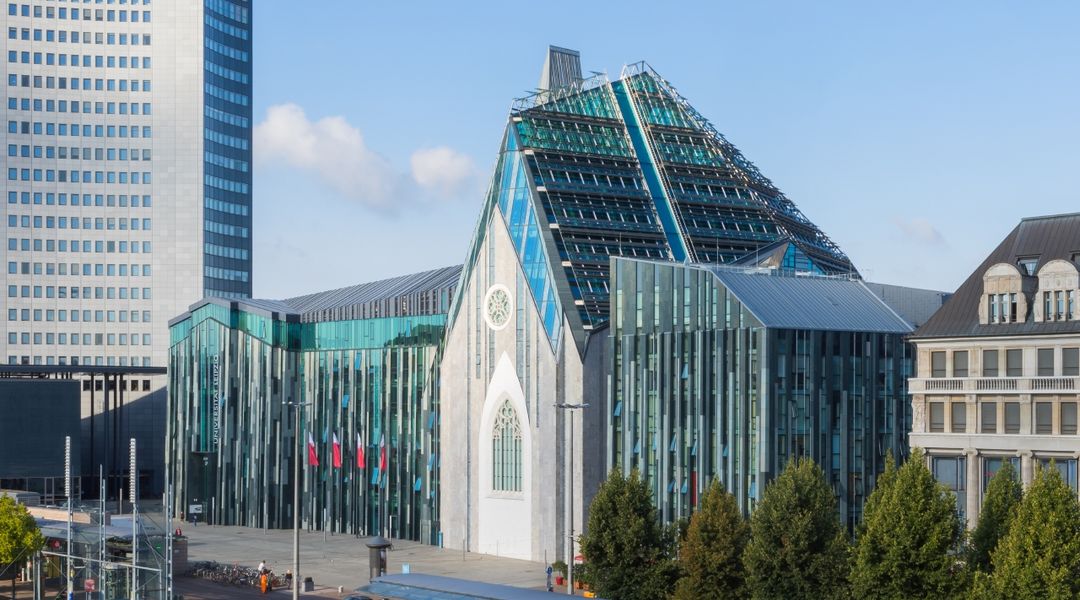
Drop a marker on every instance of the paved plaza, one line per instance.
(342, 560)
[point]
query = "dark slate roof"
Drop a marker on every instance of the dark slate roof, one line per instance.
(786, 301)
(420, 586)
(377, 290)
(1049, 238)
(915, 305)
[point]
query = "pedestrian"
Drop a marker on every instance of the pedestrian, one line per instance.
(262, 567)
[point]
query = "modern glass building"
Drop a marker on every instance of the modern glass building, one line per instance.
(588, 169)
(362, 365)
(726, 373)
(127, 183)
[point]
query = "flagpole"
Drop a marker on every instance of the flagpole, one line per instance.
(298, 456)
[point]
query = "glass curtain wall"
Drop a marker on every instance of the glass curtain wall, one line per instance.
(701, 390)
(367, 393)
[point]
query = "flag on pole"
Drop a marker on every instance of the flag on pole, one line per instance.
(337, 452)
(312, 457)
(382, 454)
(359, 451)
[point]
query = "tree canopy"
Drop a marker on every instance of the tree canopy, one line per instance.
(627, 551)
(909, 542)
(798, 548)
(1003, 495)
(19, 534)
(710, 556)
(1039, 556)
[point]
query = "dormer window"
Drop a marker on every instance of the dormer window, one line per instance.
(1059, 283)
(1006, 293)
(1028, 265)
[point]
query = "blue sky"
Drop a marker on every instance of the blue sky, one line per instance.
(914, 134)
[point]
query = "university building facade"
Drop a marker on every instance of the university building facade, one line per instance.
(595, 177)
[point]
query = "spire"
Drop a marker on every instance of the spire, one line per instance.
(562, 67)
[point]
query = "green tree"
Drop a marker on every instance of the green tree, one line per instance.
(909, 541)
(798, 548)
(1002, 497)
(1039, 557)
(710, 556)
(19, 535)
(627, 551)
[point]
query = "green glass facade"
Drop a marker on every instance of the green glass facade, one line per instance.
(702, 388)
(236, 371)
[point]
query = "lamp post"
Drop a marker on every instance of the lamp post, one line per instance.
(298, 456)
(570, 494)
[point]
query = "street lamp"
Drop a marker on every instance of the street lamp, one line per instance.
(297, 457)
(570, 494)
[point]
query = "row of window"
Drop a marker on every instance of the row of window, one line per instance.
(226, 162)
(87, 339)
(50, 222)
(77, 37)
(1058, 305)
(77, 130)
(75, 360)
(98, 246)
(78, 106)
(226, 274)
(62, 12)
(226, 95)
(62, 152)
(61, 176)
(952, 472)
(100, 293)
(99, 269)
(61, 199)
(226, 184)
(225, 252)
(226, 117)
(100, 61)
(1046, 363)
(61, 83)
(1042, 421)
(97, 316)
(1002, 308)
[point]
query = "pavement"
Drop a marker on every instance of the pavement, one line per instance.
(337, 560)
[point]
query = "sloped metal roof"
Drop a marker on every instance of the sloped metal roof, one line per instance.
(420, 586)
(1048, 238)
(785, 301)
(376, 290)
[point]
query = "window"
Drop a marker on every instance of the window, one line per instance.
(1070, 362)
(506, 448)
(1014, 363)
(991, 465)
(1046, 362)
(960, 363)
(1012, 417)
(1066, 467)
(937, 417)
(992, 310)
(1044, 420)
(1068, 418)
(988, 410)
(990, 363)
(951, 471)
(1028, 265)
(937, 364)
(959, 417)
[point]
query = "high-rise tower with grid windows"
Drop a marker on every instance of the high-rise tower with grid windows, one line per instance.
(126, 196)
(127, 180)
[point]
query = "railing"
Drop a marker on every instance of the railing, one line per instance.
(1046, 385)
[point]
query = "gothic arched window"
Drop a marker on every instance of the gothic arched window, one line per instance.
(506, 450)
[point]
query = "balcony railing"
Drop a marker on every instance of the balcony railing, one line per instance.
(1042, 385)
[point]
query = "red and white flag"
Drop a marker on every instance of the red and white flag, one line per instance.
(359, 452)
(312, 457)
(382, 454)
(337, 452)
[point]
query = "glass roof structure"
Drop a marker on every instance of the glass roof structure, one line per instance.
(594, 169)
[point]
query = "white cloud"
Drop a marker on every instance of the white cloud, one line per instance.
(920, 229)
(441, 168)
(335, 151)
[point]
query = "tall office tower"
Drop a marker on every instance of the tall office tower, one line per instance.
(127, 187)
